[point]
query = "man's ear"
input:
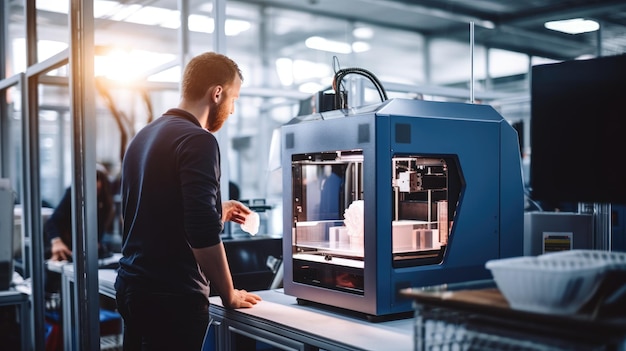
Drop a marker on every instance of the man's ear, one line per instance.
(216, 92)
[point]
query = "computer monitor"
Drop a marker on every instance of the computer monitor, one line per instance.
(578, 131)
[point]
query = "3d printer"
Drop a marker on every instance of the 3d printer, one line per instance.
(404, 193)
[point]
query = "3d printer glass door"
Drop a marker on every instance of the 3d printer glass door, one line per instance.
(327, 247)
(328, 216)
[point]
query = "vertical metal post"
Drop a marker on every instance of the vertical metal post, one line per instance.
(219, 36)
(472, 62)
(31, 198)
(266, 127)
(4, 116)
(427, 61)
(183, 33)
(219, 33)
(84, 197)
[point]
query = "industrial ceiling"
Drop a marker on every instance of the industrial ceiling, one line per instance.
(505, 24)
(515, 25)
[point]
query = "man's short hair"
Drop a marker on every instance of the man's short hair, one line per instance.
(207, 70)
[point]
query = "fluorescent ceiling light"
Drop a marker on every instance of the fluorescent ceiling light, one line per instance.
(319, 43)
(201, 24)
(235, 27)
(339, 47)
(360, 46)
(363, 33)
(573, 26)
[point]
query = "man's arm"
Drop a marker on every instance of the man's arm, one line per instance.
(214, 265)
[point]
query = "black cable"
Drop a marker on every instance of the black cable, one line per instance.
(381, 91)
(340, 74)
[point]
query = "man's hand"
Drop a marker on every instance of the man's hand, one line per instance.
(241, 299)
(60, 252)
(234, 211)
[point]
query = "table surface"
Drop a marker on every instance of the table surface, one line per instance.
(11, 297)
(282, 311)
(106, 277)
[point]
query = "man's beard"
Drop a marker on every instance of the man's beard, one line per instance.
(217, 117)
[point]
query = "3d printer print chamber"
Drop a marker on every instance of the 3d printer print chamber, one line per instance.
(328, 232)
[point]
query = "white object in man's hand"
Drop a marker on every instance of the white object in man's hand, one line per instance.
(251, 225)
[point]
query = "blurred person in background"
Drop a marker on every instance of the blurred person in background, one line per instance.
(58, 228)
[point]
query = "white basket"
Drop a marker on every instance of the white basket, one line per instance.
(556, 286)
(612, 260)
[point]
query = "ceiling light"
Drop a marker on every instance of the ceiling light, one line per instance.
(319, 43)
(201, 24)
(363, 33)
(360, 46)
(234, 27)
(573, 26)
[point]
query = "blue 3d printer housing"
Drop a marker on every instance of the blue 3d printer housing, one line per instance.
(439, 192)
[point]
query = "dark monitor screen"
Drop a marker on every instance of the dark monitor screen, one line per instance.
(578, 131)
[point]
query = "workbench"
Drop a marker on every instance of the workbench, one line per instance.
(279, 321)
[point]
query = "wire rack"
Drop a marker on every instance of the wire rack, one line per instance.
(444, 329)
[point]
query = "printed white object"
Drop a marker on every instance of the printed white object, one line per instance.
(251, 225)
(353, 219)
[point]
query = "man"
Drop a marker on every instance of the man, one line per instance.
(173, 216)
(58, 228)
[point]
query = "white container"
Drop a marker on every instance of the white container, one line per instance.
(338, 237)
(611, 259)
(554, 286)
(404, 236)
